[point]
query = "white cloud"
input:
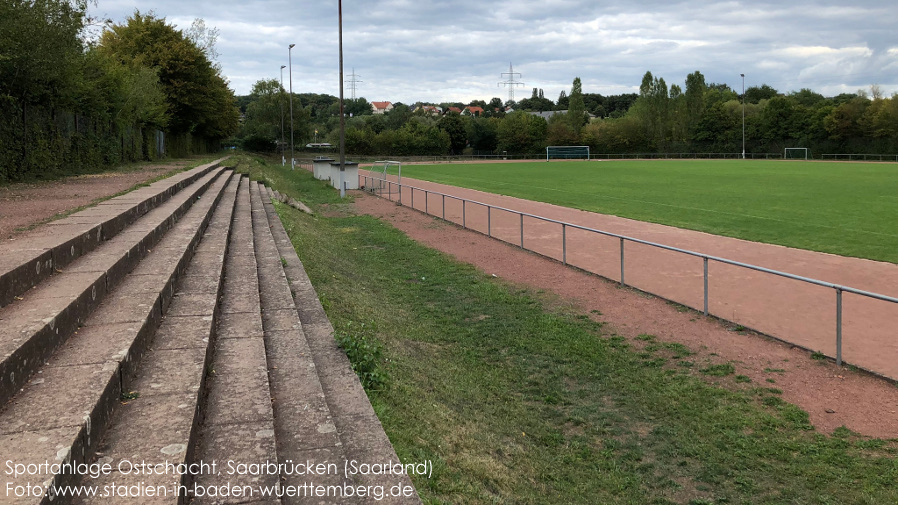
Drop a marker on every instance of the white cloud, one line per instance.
(408, 50)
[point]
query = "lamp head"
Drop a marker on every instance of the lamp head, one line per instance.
(743, 75)
(283, 67)
(291, 46)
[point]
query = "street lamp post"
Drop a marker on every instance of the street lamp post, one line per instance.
(743, 116)
(281, 92)
(290, 71)
(342, 117)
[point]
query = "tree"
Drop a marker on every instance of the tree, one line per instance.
(199, 99)
(522, 133)
(562, 103)
(40, 51)
(576, 109)
(357, 107)
(754, 94)
(453, 125)
(483, 133)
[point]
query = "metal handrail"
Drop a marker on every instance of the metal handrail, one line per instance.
(624, 238)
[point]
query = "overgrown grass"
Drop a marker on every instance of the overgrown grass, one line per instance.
(841, 208)
(518, 402)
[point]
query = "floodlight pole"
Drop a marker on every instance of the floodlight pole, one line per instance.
(290, 71)
(281, 92)
(743, 116)
(342, 116)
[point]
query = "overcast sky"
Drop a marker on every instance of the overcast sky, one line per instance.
(456, 50)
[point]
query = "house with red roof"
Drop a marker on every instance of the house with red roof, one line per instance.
(472, 110)
(381, 107)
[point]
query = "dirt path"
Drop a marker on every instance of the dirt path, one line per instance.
(832, 396)
(27, 204)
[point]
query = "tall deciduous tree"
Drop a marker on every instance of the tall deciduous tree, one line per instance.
(199, 99)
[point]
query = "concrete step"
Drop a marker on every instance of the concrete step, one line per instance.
(44, 317)
(32, 257)
(239, 424)
(303, 426)
(324, 405)
(162, 422)
(60, 415)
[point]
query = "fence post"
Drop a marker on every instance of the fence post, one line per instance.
(489, 232)
(426, 194)
(839, 326)
(463, 206)
(444, 207)
(622, 283)
(400, 193)
(706, 284)
(413, 197)
(522, 230)
(563, 244)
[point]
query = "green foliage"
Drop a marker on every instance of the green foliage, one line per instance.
(199, 100)
(365, 353)
(454, 126)
(69, 108)
(522, 133)
(576, 113)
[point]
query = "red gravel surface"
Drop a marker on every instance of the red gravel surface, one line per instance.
(27, 204)
(833, 396)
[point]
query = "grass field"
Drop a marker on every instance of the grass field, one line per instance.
(850, 209)
(516, 399)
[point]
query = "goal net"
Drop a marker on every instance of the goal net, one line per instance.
(795, 153)
(567, 153)
(378, 182)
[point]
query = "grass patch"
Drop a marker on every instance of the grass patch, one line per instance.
(721, 370)
(516, 400)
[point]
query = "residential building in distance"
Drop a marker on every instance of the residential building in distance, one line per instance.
(381, 107)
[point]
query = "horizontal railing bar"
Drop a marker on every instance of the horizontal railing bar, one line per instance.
(718, 259)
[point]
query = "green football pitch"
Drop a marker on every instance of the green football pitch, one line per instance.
(849, 209)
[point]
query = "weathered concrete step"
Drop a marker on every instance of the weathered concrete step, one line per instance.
(161, 423)
(60, 415)
(239, 423)
(32, 257)
(303, 426)
(361, 435)
(44, 317)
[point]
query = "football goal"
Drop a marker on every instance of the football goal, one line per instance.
(796, 153)
(377, 183)
(567, 153)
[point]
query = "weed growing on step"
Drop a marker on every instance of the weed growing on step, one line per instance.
(365, 353)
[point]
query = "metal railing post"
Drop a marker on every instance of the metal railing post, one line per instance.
(706, 284)
(444, 207)
(426, 194)
(400, 193)
(839, 326)
(489, 232)
(463, 206)
(563, 244)
(622, 283)
(522, 231)
(413, 197)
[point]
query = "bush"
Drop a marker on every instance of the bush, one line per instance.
(259, 144)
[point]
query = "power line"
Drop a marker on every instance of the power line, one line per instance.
(511, 81)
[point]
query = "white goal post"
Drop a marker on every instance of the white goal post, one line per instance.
(379, 170)
(567, 152)
(795, 153)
